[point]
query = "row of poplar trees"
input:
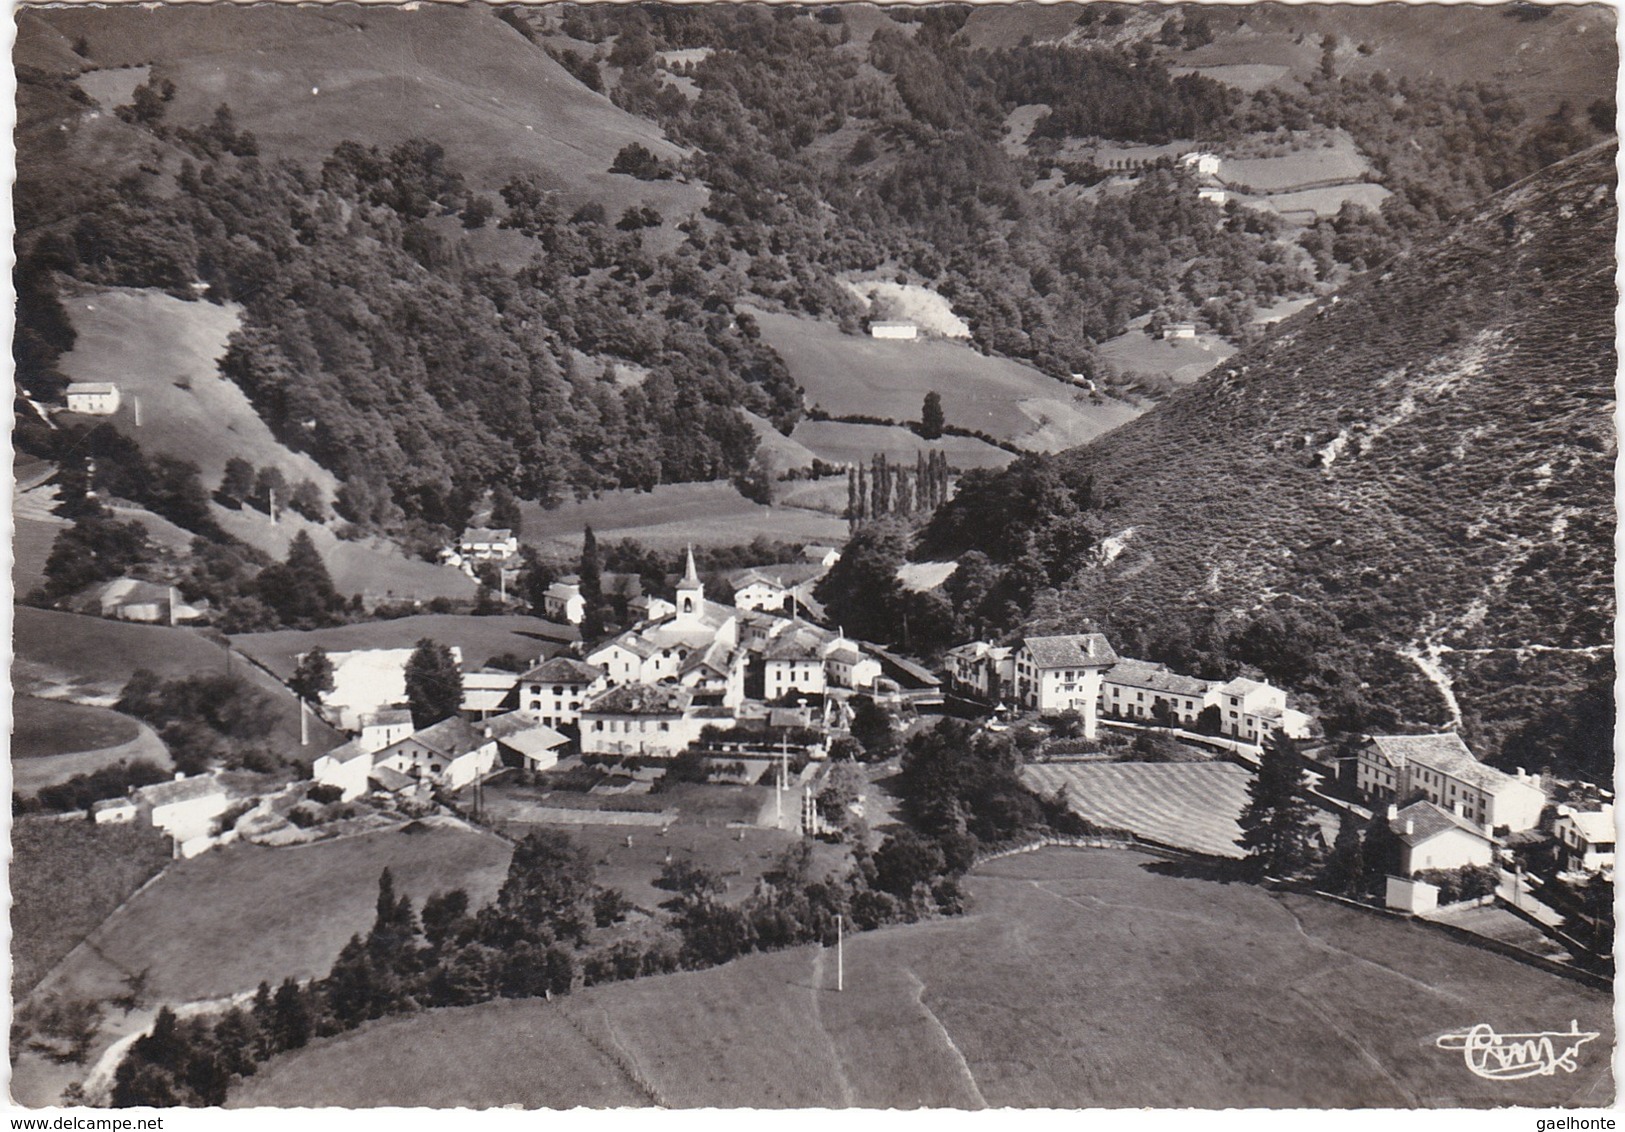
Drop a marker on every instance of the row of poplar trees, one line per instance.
(886, 488)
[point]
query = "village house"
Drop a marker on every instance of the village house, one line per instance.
(366, 681)
(715, 674)
(1432, 837)
(95, 398)
(1587, 839)
(756, 589)
(524, 740)
(556, 689)
(1180, 331)
(379, 729)
(1135, 689)
(185, 809)
(637, 719)
(820, 555)
(113, 811)
(1252, 711)
(487, 691)
(1204, 164)
(1212, 195)
(981, 670)
(1440, 768)
(129, 599)
(1063, 673)
(848, 666)
(793, 663)
(562, 601)
(488, 544)
(347, 767)
(451, 753)
(901, 331)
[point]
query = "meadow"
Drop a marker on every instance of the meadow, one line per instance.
(1187, 805)
(40, 728)
(1181, 360)
(66, 877)
(480, 638)
(672, 516)
(220, 923)
(840, 442)
(1077, 979)
(845, 374)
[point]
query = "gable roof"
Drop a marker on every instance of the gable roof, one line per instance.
(1241, 686)
(564, 670)
(348, 752)
(1155, 677)
(91, 387)
(453, 737)
(1427, 821)
(391, 779)
(387, 717)
(1079, 650)
(718, 656)
(1445, 754)
(487, 534)
(180, 790)
(1595, 826)
(640, 699)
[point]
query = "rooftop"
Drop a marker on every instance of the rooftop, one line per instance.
(452, 737)
(348, 752)
(1155, 677)
(388, 717)
(1081, 650)
(487, 534)
(640, 699)
(1446, 754)
(1596, 826)
(92, 387)
(564, 670)
(1425, 820)
(179, 790)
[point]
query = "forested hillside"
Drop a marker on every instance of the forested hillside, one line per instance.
(1401, 504)
(517, 260)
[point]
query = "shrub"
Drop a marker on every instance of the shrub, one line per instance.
(322, 794)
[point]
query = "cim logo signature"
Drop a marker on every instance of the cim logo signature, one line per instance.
(1508, 1057)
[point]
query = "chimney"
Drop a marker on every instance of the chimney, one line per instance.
(1410, 826)
(1393, 811)
(180, 775)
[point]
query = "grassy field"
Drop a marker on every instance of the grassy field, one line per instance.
(220, 923)
(1182, 360)
(1188, 805)
(1327, 201)
(66, 877)
(672, 515)
(1338, 163)
(847, 374)
(1078, 979)
(52, 727)
(480, 638)
(837, 442)
(30, 546)
(163, 350)
(92, 659)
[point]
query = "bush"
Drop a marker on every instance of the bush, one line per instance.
(303, 817)
(1466, 883)
(323, 794)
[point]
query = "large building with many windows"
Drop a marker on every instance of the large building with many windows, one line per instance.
(1440, 768)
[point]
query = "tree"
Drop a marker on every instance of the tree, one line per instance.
(547, 896)
(434, 683)
(300, 588)
(268, 483)
(1346, 870)
(872, 728)
(861, 591)
(313, 676)
(595, 615)
(306, 498)
(237, 485)
(932, 421)
(1275, 825)
(505, 510)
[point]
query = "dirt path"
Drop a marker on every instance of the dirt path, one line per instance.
(29, 775)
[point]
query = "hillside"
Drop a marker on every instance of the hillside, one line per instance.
(1038, 997)
(1417, 474)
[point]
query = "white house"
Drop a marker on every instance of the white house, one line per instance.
(1441, 769)
(818, 554)
(1212, 196)
(715, 674)
(1251, 710)
(347, 766)
(488, 544)
(981, 669)
(755, 589)
(1205, 164)
(184, 808)
(902, 331)
(451, 753)
(378, 729)
(1587, 837)
(562, 601)
(96, 398)
(113, 811)
(1059, 674)
(487, 691)
(556, 689)
(1134, 689)
(848, 666)
(636, 719)
(1178, 331)
(1432, 837)
(523, 740)
(793, 662)
(130, 599)
(367, 681)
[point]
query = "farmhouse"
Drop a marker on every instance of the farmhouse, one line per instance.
(902, 331)
(1252, 711)
(347, 766)
(1205, 164)
(381, 728)
(1137, 689)
(825, 556)
(487, 544)
(557, 688)
(1212, 196)
(1432, 837)
(185, 808)
(1180, 331)
(1059, 674)
(113, 811)
(129, 599)
(452, 753)
(1587, 838)
(487, 690)
(96, 398)
(980, 669)
(1441, 769)
(637, 719)
(562, 601)
(523, 740)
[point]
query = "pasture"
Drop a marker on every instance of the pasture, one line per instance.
(837, 442)
(846, 374)
(672, 516)
(1187, 805)
(66, 877)
(30, 547)
(1077, 979)
(1180, 360)
(480, 638)
(1337, 163)
(220, 923)
(1327, 201)
(70, 656)
(40, 728)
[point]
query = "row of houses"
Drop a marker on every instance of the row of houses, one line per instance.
(785, 586)
(389, 756)
(1082, 673)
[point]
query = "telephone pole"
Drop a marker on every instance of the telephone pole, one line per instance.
(840, 955)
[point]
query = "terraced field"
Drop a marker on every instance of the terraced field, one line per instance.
(1188, 805)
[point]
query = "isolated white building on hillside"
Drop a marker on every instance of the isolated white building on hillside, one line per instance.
(95, 398)
(901, 331)
(1205, 164)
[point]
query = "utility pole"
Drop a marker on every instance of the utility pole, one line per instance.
(270, 493)
(304, 722)
(840, 955)
(137, 402)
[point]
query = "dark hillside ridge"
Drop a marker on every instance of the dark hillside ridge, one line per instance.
(1427, 458)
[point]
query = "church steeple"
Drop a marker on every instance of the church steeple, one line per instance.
(690, 591)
